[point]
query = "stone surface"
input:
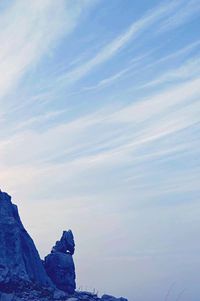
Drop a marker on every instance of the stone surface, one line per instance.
(86, 296)
(6, 297)
(65, 244)
(58, 295)
(59, 265)
(111, 298)
(19, 258)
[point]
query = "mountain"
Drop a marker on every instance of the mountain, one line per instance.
(24, 276)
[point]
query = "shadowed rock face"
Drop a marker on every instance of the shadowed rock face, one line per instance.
(65, 244)
(61, 270)
(111, 298)
(59, 264)
(19, 259)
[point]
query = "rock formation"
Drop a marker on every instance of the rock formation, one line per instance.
(66, 244)
(111, 298)
(19, 258)
(59, 264)
(23, 276)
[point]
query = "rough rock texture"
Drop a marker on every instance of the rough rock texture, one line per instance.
(66, 244)
(42, 296)
(59, 264)
(111, 298)
(19, 259)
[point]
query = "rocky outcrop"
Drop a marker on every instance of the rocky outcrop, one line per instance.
(88, 296)
(19, 258)
(66, 244)
(23, 276)
(59, 265)
(111, 298)
(78, 296)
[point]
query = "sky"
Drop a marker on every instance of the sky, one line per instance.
(99, 132)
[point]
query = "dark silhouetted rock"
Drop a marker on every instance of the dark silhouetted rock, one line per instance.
(19, 259)
(111, 298)
(65, 244)
(59, 295)
(59, 264)
(87, 296)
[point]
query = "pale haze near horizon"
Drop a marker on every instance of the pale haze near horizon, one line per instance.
(99, 132)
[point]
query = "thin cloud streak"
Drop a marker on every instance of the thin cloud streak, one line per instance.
(118, 43)
(189, 10)
(31, 35)
(138, 65)
(190, 69)
(168, 107)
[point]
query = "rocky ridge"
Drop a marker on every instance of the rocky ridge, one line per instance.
(24, 276)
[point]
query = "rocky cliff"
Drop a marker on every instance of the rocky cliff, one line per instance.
(24, 276)
(19, 258)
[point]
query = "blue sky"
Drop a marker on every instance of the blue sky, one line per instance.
(99, 132)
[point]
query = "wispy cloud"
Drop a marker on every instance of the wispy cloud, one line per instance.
(118, 43)
(31, 34)
(146, 121)
(190, 69)
(189, 10)
(137, 65)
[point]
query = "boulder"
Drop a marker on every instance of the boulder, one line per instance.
(59, 264)
(19, 258)
(65, 244)
(86, 296)
(111, 298)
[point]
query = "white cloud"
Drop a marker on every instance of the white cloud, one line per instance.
(189, 10)
(27, 33)
(118, 43)
(157, 104)
(77, 142)
(190, 69)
